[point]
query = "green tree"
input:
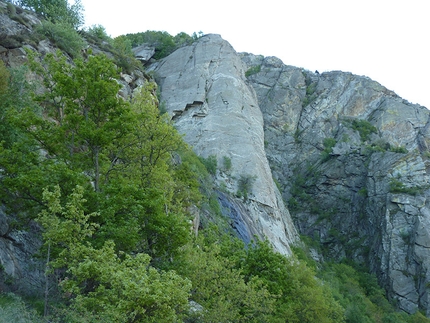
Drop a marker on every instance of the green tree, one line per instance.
(58, 10)
(99, 280)
(302, 298)
(220, 288)
(86, 116)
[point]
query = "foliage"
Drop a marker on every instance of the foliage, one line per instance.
(311, 93)
(364, 128)
(14, 309)
(63, 35)
(58, 11)
(220, 288)
(98, 32)
(211, 163)
(124, 56)
(399, 149)
(122, 287)
(396, 186)
(226, 163)
(4, 78)
(245, 184)
(253, 70)
(301, 297)
(328, 143)
(164, 43)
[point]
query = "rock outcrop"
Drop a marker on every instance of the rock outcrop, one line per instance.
(334, 156)
(206, 93)
(351, 157)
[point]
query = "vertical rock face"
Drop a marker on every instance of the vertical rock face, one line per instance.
(352, 159)
(19, 269)
(205, 91)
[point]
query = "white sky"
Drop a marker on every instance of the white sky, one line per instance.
(386, 40)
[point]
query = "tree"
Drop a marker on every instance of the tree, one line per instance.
(86, 116)
(302, 298)
(101, 281)
(124, 148)
(220, 288)
(58, 10)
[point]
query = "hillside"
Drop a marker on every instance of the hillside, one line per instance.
(120, 176)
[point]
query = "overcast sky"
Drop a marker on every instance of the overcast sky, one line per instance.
(386, 40)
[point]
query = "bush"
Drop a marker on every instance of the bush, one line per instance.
(253, 70)
(64, 36)
(58, 11)
(210, 163)
(13, 309)
(226, 161)
(397, 186)
(4, 78)
(328, 143)
(399, 149)
(364, 128)
(245, 184)
(99, 34)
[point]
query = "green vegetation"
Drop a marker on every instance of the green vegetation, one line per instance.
(328, 143)
(396, 186)
(211, 163)
(399, 149)
(364, 127)
(244, 185)
(57, 11)
(63, 35)
(111, 184)
(226, 163)
(311, 88)
(253, 70)
(355, 290)
(164, 43)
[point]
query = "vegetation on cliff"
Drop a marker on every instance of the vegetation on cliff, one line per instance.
(111, 185)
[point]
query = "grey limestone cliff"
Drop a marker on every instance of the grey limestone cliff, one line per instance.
(207, 95)
(351, 157)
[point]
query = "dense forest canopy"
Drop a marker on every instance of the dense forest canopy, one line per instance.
(112, 185)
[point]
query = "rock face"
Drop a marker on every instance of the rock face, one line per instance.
(351, 157)
(19, 270)
(205, 91)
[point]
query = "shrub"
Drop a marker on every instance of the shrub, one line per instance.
(399, 149)
(11, 9)
(4, 78)
(124, 56)
(397, 186)
(253, 70)
(210, 163)
(13, 309)
(98, 33)
(364, 128)
(64, 36)
(328, 143)
(58, 11)
(245, 184)
(226, 161)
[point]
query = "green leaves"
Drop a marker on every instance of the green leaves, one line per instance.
(120, 286)
(58, 10)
